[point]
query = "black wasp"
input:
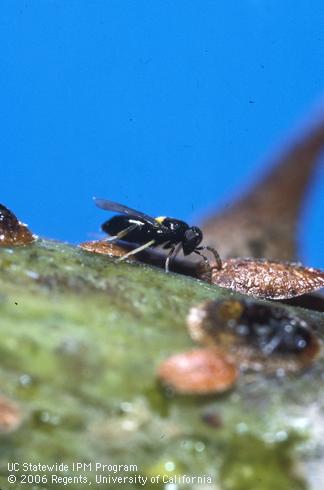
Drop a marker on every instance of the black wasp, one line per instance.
(136, 227)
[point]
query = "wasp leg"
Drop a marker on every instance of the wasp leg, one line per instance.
(136, 250)
(215, 254)
(176, 249)
(167, 262)
(203, 256)
(121, 234)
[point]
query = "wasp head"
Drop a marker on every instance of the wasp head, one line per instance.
(191, 240)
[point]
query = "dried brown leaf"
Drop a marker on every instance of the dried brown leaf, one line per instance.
(263, 222)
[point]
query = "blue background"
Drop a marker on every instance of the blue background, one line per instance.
(168, 106)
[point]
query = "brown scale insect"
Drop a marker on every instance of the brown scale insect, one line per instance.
(103, 247)
(12, 231)
(10, 416)
(262, 278)
(198, 372)
(257, 336)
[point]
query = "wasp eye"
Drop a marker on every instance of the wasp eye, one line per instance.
(194, 234)
(189, 235)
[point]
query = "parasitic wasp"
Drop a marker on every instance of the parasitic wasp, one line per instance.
(137, 227)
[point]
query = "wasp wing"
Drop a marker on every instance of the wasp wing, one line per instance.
(121, 208)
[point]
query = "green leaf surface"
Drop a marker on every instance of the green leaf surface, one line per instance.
(81, 340)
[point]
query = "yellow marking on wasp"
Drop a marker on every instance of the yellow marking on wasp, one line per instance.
(160, 219)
